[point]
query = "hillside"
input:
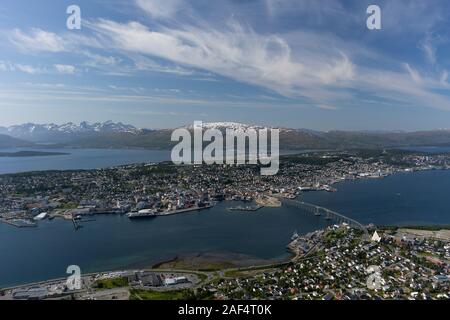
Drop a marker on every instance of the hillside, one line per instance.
(10, 142)
(290, 139)
(118, 135)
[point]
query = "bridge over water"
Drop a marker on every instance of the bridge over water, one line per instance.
(327, 213)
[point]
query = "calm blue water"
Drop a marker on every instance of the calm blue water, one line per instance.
(402, 199)
(114, 241)
(85, 159)
(79, 159)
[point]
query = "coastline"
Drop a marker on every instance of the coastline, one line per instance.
(162, 266)
(393, 173)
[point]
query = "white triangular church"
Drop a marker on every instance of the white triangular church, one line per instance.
(376, 237)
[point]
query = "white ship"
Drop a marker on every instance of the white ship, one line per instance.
(40, 216)
(146, 213)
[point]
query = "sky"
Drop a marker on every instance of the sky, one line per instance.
(164, 63)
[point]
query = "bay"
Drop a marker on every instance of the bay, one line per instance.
(78, 159)
(419, 198)
(115, 242)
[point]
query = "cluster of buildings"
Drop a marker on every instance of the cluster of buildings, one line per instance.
(90, 289)
(166, 187)
(341, 264)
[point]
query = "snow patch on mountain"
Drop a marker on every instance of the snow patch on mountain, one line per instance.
(68, 128)
(236, 126)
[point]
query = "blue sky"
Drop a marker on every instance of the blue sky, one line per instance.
(164, 63)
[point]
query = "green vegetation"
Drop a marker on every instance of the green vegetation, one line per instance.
(105, 284)
(162, 295)
(332, 236)
(201, 276)
(185, 294)
(234, 274)
(215, 266)
(69, 206)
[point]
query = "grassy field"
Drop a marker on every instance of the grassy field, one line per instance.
(163, 295)
(106, 284)
(196, 264)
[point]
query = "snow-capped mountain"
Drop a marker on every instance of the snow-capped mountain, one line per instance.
(228, 125)
(59, 133)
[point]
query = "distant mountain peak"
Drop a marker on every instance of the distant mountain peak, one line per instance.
(70, 130)
(228, 125)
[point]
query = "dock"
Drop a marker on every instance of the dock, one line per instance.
(246, 209)
(75, 224)
(170, 213)
(19, 223)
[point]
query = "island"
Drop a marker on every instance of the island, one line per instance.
(163, 189)
(24, 154)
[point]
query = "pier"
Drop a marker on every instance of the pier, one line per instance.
(19, 223)
(75, 224)
(245, 209)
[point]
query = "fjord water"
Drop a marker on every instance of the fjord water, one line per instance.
(115, 242)
(78, 159)
(419, 198)
(85, 159)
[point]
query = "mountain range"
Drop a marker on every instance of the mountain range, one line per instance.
(53, 133)
(118, 135)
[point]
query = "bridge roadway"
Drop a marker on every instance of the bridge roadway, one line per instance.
(330, 214)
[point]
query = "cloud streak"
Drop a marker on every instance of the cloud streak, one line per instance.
(236, 52)
(317, 68)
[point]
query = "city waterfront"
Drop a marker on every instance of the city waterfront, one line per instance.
(114, 241)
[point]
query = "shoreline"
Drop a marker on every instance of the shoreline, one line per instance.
(288, 259)
(159, 266)
(270, 263)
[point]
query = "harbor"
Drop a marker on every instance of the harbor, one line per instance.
(147, 213)
(19, 223)
(246, 208)
(215, 230)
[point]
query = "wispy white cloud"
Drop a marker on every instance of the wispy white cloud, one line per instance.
(96, 60)
(415, 76)
(237, 52)
(27, 69)
(65, 69)
(160, 8)
(317, 67)
(429, 50)
(37, 40)
(34, 70)
(145, 64)
(444, 77)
